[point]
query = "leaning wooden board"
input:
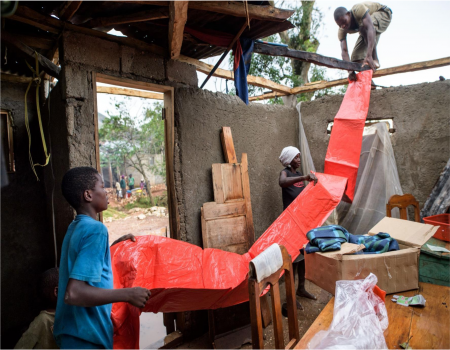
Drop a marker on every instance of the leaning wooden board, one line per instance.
(428, 327)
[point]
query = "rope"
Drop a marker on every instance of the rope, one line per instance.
(36, 79)
(246, 12)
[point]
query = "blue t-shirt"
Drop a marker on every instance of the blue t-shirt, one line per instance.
(85, 256)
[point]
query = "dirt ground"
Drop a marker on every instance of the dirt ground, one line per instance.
(312, 309)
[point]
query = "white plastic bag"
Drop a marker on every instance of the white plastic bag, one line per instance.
(359, 318)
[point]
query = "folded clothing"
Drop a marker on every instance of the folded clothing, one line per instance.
(329, 238)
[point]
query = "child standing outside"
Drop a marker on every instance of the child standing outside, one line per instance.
(86, 294)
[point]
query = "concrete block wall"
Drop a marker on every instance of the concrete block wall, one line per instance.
(26, 237)
(421, 142)
(259, 130)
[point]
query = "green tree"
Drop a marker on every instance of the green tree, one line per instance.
(291, 72)
(126, 140)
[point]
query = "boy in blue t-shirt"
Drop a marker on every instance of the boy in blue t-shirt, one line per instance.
(85, 289)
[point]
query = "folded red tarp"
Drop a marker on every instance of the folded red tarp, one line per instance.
(344, 148)
(184, 277)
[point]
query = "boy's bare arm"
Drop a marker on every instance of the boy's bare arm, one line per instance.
(79, 293)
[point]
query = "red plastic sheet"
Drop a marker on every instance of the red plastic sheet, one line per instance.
(344, 148)
(185, 277)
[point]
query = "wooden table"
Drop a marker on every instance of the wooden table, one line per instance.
(428, 326)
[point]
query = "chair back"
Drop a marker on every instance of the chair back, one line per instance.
(255, 290)
(403, 202)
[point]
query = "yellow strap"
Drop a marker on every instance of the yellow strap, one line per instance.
(38, 81)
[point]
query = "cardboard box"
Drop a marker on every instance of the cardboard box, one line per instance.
(397, 271)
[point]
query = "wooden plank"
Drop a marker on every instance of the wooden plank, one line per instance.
(232, 8)
(412, 67)
(217, 183)
(96, 137)
(228, 145)
(132, 18)
(53, 25)
(430, 325)
(37, 42)
(177, 20)
(129, 92)
(45, 64)
(322, 322)
(231, 182)
(265, 311)
(227, 74)
(69, 10)
(228, 234)
(212, 210)
(247, 198)
(204, 229)
(330, 62)
(10, 78)
(291, 305)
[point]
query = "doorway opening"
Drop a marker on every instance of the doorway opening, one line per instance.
(134, 153)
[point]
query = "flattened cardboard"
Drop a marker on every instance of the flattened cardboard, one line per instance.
(397, 271)
(413, 234)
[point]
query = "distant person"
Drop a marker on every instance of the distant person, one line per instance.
(131, 182)
(86, 294)
(370, 20)
(118, 190)
(123, 186)
(292, 183)
(142, 185)
(39, 334)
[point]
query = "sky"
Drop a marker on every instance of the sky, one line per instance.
(419, 31)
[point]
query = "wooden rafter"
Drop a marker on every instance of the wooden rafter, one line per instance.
(53, 25)
(232, 8)
(227, 74)
(129, 92)
(45, 64)
(11, 78)
(177, 20)
(132, 18)
(69, 9)
(412, 67)
(315, 58)
(36, 42)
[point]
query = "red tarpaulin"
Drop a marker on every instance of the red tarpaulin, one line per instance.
(185, 277)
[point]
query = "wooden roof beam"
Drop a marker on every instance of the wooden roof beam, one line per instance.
(406, 68)
(45, 64)
(330, 62)
(129, 92)
(53, 25)
(232, 8)
(101, 22)
(69, 9)
(177, 20)
(227, 74)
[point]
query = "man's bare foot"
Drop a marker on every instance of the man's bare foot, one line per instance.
(303, 293)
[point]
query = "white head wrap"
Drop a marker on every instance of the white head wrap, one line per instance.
(288, 154)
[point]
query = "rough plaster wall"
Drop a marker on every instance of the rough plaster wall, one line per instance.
(259, 130)
(26, 243)
(421, 142)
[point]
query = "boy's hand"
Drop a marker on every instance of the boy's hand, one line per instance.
(124, 238)
(312, 177)
(138, 296)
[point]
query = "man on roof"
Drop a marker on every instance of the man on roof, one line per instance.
(369, 19)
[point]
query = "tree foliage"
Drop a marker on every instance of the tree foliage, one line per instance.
(127, 141)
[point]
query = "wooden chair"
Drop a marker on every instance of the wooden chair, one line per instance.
(403, 202)
(255, 290)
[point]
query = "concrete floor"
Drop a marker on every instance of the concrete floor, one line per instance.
(312, 309)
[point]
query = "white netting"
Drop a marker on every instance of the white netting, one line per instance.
(377, 180)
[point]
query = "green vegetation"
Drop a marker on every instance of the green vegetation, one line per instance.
(114, 213)
(146, 202)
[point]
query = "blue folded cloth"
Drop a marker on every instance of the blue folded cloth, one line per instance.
(329, 238)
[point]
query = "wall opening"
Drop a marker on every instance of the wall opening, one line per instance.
(369, 122)
(134, 149)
